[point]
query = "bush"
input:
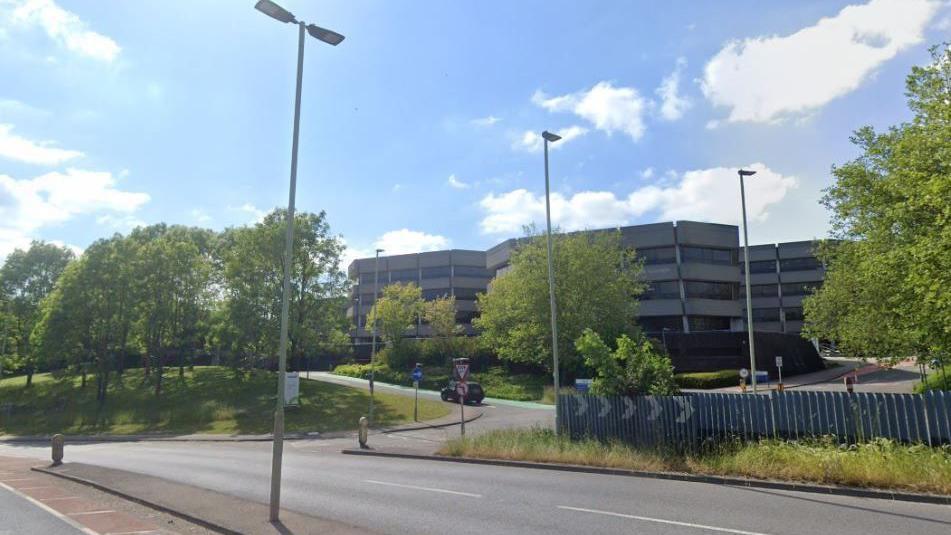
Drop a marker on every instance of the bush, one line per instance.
(707, 380)
(634, 368)
(937, 380)
(496, 381)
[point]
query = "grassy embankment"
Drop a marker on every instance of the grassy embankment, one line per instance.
(880, 464)
(496, 382)
(208, 400)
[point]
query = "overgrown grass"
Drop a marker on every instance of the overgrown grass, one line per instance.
(936, 380)
(706, 380)
(496, 382)
(207, 400)
(879, 464)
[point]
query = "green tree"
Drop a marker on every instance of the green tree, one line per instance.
(596, 286)
(26, 278)
(887, 289)
(440, 314)
(636, 367)
(397, 310)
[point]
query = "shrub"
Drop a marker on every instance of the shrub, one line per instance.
(937, 380)
(707, 380)
(635, 367)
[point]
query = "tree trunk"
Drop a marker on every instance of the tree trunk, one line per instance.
(29, 375)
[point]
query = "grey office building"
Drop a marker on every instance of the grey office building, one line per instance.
(694, 273)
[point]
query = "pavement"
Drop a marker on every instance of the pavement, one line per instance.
(397, 496)
(870, 377)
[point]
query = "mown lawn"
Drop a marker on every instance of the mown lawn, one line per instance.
(208, 400)
(879, 464)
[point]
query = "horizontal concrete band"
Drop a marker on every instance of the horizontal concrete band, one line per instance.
(717, 480)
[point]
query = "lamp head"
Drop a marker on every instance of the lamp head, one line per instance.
(550, 137)
(378, 251)
(274, 11)
(328, 36)
(744, 172)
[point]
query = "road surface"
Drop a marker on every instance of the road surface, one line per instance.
(396, 496)
(18, 516)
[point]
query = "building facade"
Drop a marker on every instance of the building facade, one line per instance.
(694, 273)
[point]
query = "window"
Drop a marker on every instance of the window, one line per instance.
(656, 324)
(765, 314)
(793, 313)
(404, 275)
(436, 293)
(800, 288)
(799, 264)
(465, 317)
(761, 266)
(710, 290)
(662, 290)
(470, 271)
(708, 323)
(708, 255)
(367, 278)
(658, 255)
(760, 290)
(435, 272)
(467, 293)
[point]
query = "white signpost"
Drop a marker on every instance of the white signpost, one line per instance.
(291, 389)
(461, 369)
(779, 368)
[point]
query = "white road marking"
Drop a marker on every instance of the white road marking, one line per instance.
(430, 489)
(662, 521)
(50, 510)
(83, 513)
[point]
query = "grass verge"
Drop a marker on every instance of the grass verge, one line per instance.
(936, 380)
(705, 380)
(207, 400)
(881, 464)
(496, 382)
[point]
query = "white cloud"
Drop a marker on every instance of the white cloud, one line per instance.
(703, 195)
(22, 149)
(394, 242)
(454, 182)
(531, 141)
(486, 121)
(122, 223)
(647, 173)
(257, 215)
(64, 27)
(610, 109)
(54, 198)
(200, 216)
(673, 105)
(766, 79)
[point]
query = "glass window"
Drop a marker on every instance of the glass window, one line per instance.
(708, 255)
(800, 288)
(799, 264)
(657, 324)
(429, 295)
(662, 290)
(467, 293)
(793, 313)
(404, 275)
(765, 314)
(435, 272)
(465, 316)
(470, 271)
(761, 266)
(367, 278)
(708, 323)
(760, 290)
(710, 290)
(658, 255)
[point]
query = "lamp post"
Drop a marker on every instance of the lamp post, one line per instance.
(746, 256)
(376, 297)
(280, 14)
(551, 138)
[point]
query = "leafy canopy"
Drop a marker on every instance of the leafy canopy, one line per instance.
(634, 368)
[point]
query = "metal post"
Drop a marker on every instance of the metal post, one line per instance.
(277, 453)
(749, 297)
(663, 335)
(462, 414)
(416, 402)
(376, 297)
(551, 296)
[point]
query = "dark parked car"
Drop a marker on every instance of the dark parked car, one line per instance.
(475, 396)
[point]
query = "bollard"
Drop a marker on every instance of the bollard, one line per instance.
(57, 444)
(849, 382)
(743, 385)
(364, 424)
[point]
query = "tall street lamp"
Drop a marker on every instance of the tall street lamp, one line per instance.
(551, 138)
(279, 13)
(376, 297)
(749, 295)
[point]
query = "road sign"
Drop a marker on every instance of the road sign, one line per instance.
(779, 361)
(462, 372)
(462, 389)
(418, 374)
(291, 389)
(744, 373)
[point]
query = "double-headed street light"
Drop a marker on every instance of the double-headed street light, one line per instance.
(333, 38)
(746, 255)
(551, 138)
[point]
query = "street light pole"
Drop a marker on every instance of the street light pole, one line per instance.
(549, 137)
(749, 296)
(376, 296)
(280, 14)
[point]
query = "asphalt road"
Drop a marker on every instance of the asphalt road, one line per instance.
(18, 515)
(423, 497)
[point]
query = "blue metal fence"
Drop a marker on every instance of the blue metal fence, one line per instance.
(689, 420)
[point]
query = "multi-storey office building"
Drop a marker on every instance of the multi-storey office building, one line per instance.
(694, 273)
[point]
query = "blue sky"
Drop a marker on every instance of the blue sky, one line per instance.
(420, 131)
